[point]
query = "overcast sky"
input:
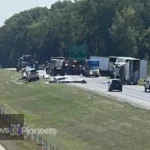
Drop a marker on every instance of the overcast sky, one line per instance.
(10, 7)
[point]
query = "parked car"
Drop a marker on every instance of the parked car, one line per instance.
(147, 85)
(32, 75)
(115, 84)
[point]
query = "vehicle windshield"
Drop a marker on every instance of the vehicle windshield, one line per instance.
(115, 81)
(94, 68)
(33, 71)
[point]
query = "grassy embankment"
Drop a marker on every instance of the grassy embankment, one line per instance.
(84, 120)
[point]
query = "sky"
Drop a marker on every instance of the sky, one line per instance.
(10, 7)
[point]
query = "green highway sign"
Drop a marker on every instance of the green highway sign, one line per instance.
(78, 52)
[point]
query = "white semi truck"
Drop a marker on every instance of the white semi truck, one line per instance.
(130, 70)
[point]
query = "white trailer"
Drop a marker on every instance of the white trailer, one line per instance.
(143, 69)
(130, 70)
(103, 63)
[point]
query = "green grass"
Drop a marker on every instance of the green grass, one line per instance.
(84, 121)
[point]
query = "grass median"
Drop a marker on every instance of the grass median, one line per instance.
(84, 120)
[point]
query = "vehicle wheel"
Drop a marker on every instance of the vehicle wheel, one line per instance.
(109, 90)
(17, 69)
(38, 78)
(97, 76)
(47, 70)
(112, 77)
(83, 81)
(135, 83)
(29, 80)
(52, 74)
(120, 90)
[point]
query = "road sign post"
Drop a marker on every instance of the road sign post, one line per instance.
(78, 52)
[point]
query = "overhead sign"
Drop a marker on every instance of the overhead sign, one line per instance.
(78, 52)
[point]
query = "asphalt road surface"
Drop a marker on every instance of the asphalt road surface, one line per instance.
(132, 94)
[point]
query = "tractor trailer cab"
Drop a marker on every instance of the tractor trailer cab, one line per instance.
(24, 61)
(56, 66)
(91, 68)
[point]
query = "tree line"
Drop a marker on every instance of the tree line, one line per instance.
(107, 27)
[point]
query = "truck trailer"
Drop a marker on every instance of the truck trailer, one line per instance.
(130, 70)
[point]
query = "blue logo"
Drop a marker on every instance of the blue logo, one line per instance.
(15, 129)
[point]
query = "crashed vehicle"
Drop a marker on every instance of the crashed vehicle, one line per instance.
(55, 67)
(65, 79)
(32, 75)
(24, 72)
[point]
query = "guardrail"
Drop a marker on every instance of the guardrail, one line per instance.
(37, 139)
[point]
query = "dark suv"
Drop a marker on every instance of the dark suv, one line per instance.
(115, 84)
(147, 85)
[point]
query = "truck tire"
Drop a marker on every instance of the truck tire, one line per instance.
(135, 83)
(17, 69)
(47, 70)
(85, 74)
(29, 80)
(63, 74)
(109, 90)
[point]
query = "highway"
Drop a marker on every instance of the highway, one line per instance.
(132, 94)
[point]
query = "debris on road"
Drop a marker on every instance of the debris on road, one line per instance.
(65, 79)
